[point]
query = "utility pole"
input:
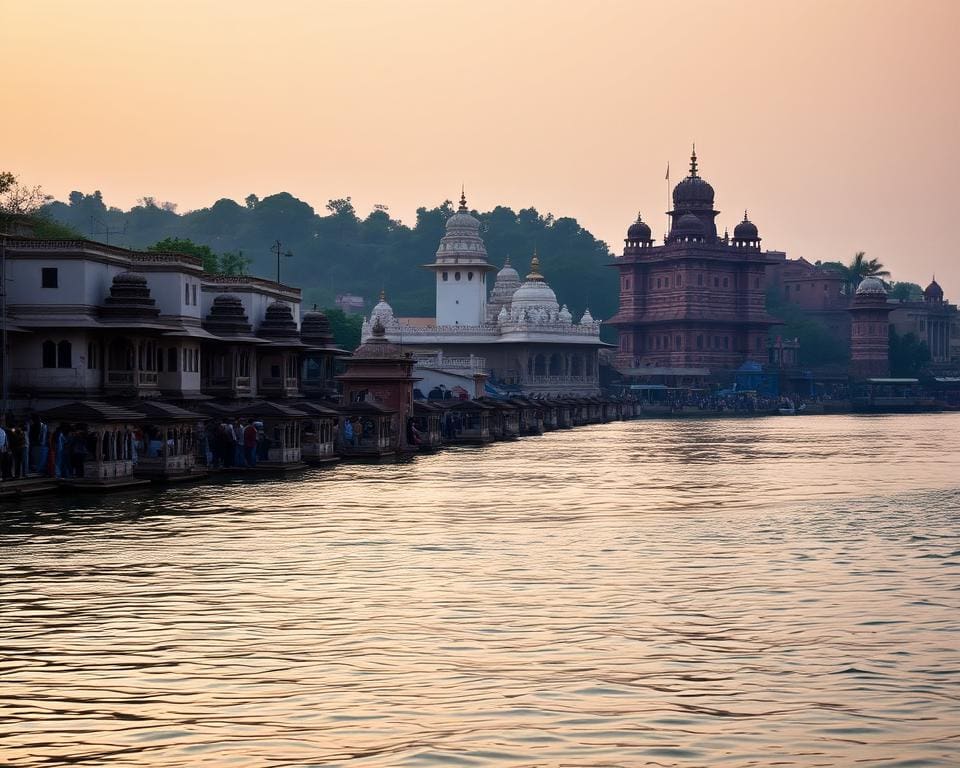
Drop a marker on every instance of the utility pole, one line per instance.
(278, 250)
(99, 227)
(5, 367)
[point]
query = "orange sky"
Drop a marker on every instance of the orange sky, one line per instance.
(836, 123)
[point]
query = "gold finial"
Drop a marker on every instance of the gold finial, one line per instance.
(463, 199)
(693, 161)
(535, 267)
(506, 261)
(639, 218)
(383, 295)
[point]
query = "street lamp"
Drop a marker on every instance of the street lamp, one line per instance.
(278, 250)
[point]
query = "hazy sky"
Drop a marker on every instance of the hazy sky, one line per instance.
(836, 123)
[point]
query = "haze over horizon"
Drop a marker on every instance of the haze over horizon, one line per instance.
(833, 123)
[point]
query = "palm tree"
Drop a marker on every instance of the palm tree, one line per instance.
(862, 267)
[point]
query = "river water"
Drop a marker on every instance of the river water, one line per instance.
(779, 591)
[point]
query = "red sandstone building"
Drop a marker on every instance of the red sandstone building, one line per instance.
(694, 306)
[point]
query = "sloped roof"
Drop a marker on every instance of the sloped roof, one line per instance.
(91, 411)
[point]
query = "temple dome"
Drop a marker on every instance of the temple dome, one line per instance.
(639, 230)
(693, 192)
(129, 278)
(382, 310)
(534, 294)
(746, 230)
(871, 286)
(688, 225)
(227, 316)
(278, 322)
(315, 328)
(462, 219)
(933, 292)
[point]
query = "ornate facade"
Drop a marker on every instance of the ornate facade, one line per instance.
(521, 337)
(696, 304)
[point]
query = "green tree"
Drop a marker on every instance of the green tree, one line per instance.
(861, 267)
(903, 291)
(211, 262)
(908, 355)
(346, 328)
(233, 263)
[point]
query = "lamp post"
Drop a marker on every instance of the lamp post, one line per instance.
(278, 250)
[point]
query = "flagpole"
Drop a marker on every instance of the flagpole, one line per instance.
(668, 203)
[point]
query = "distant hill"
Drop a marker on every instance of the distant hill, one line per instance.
(339, 252)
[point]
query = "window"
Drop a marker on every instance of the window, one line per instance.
(186, 293)
(49, 277)
(456, 275)
(677, 342)
(446, 276)
(716, 282)
(659, 283)
(666, 282)
(726, 342)
(91, 355)
(679, 281)
(64, 355)
(49, 354)
(699, 342)
(184, 359)
(172, 360)
(469, 275)
(194, 289)
(726, 282)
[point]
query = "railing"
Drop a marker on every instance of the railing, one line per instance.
(397, 332)
(121, 378)
(148, 379)
(439, 360)
(559, 380)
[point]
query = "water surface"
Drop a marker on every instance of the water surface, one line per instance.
(650, 593)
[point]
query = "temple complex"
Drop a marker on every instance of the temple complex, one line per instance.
(694, 306)
(519, 339)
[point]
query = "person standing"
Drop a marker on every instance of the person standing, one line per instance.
(250, 444)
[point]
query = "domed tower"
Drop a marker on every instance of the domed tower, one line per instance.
(129, 299)
(506, 284)
(638, 235)
(693, 198)
(869, 341)
(745, 234)
(933, 293)
(461, 268)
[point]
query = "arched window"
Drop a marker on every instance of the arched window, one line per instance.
(469, 275)
(456, 275)
(64, 354)
(49, 355)
(446, 276)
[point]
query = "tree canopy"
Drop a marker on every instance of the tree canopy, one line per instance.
(340, 251)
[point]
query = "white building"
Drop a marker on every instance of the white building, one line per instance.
(520, 337)
(87, 320)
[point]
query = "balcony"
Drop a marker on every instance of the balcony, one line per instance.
(279, 385)
(229, 386)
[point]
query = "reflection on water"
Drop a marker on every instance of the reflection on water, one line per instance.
(726, 593)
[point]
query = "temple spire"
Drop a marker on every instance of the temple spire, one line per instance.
(383, 295)
(535, 267)
(463, 199)
(693, 162)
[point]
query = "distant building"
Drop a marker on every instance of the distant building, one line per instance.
(694, 306)
(349, 303)
(932, 320)
(822, 292)
(520, 338)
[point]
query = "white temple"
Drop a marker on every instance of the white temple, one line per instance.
(519, 337)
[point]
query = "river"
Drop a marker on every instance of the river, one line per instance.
(648, 593)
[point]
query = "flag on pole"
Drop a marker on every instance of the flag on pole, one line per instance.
(667, 177)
